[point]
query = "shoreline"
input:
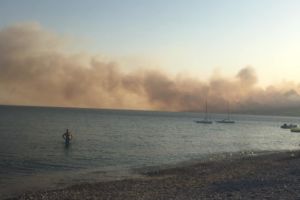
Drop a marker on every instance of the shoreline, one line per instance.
(266, 176)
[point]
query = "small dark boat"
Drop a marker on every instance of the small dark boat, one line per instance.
(295, 130)
(226, 121)
(288, 126)
(205, 120)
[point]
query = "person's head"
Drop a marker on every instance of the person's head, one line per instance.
(67, 130)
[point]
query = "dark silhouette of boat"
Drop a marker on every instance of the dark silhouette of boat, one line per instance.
(227, 120)
(288, 126)
(205, 120)
(296, 129)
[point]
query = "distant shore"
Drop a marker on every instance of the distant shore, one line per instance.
(271, 176)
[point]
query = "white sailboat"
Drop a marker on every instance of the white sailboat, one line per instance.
(227, 120)
(206, 119)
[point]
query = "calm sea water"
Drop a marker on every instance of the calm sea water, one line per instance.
(108, 144)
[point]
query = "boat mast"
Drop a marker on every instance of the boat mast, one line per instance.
(206, 118)
(228, 111)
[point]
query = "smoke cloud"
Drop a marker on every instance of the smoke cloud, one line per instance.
(36, 69)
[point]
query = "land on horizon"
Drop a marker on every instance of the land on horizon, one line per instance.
(290, 111)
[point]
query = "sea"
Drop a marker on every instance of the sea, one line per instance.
(116, 144)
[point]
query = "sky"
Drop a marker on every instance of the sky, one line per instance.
(192, 43)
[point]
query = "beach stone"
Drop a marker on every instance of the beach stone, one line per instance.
(272, 176)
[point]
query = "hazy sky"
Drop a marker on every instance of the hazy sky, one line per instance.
(203, 40)
(194, 36)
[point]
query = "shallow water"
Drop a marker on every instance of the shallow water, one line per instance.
(108, 144)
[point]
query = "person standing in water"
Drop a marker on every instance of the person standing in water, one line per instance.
(67, 136)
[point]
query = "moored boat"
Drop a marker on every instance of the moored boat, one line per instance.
(288, 126)
(206, 119)
(295, 130)
(226, 121)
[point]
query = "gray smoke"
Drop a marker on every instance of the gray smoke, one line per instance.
(36, 69)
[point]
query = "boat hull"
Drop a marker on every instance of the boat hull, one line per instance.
(203, 122)
(226, 122)
(289, 126)
(295, 130)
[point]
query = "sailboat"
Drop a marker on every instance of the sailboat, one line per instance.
(227, 120)
(205, 120)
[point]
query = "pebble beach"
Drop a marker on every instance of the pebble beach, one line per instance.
(269, 176)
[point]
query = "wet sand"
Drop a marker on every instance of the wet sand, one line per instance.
(272, 176)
